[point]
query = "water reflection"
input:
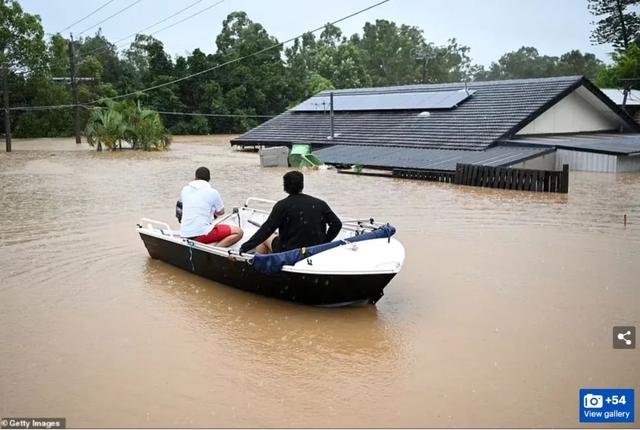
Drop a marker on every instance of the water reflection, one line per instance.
(272, 329)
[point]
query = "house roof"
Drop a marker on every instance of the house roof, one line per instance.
(617, 95)
(496, 110)
(388, 157)
(603, 143)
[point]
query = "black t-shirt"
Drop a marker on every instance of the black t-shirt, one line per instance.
(301, 220)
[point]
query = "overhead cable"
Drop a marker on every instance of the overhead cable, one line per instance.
(235, 60)
(104, 48)
(87, 16)
(130, 5)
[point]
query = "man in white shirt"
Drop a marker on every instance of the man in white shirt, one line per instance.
(200, 205)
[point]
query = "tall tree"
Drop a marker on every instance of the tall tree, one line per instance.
(617, 24)
(391, 51)
(527, 62)
(448, 63)
(576, 63)
(300, 66)
(255, 85)
(22, 49)
(38, 89)
(339, 61)
(624, 71)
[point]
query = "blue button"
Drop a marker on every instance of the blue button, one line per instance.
(598, 405)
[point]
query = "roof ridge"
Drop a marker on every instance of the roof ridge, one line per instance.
(450, 85)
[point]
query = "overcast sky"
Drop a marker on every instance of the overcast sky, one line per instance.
(489, 27)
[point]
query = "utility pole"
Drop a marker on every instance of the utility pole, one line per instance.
(331, 113)
(74, 91)
(5, 98)
(423, 56)
(627, 83)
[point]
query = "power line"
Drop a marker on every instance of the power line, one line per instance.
(104, 48)
(144, 90)
(268, 48)
(91, 14)
(48, 107)
(110, 16)
(69, 106)
(157, 23)
(230, 115)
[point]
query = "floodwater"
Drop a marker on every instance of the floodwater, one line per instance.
(503, 310)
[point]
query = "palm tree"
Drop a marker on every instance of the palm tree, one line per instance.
(105, 126)
(147, 131)
(141, 128)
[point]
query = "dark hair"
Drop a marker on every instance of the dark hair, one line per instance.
(203, 173)
(293, 182)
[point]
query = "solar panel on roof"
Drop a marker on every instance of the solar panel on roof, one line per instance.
(392, 101)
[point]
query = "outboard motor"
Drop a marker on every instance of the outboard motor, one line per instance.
(179, 211)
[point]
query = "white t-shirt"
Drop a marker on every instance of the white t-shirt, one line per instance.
(199, 202)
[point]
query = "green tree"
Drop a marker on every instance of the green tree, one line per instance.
(527, 62)
(617, 24)
(126, 121)
(22, 49)
(390, 52)
(300, 67)
(255, 85)
(576, 63)
(38, 89)
(146, 130)
(624, 71)
(100, 48)
(449, 63)
(105, 127)
(342, 65)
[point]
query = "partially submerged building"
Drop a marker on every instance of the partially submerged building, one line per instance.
(630, 104)
(530, 123)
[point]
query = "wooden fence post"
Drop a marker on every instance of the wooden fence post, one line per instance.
(564, 188)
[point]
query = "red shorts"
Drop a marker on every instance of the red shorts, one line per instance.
(217, 233)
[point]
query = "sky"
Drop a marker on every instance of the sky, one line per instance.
(489, 27)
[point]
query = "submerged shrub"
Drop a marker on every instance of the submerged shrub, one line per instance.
(127, 122)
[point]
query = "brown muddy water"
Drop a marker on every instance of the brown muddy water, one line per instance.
(503, 311)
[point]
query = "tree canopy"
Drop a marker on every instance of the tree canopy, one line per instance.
(235, 88)
(617, 24)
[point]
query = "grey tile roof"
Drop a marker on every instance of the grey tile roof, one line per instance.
(496, 110)
(606, 143)
(386, 157)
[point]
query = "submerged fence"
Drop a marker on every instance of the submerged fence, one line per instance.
(550, 181)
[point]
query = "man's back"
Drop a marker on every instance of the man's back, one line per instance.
(199, 202)
(301, 220)
(304, 221)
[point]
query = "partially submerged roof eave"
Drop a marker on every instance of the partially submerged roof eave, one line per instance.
(527, 158)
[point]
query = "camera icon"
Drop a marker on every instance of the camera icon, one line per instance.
(592, 401)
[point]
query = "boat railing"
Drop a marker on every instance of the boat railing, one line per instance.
(151, 224)
(248, 202)
(349, 223)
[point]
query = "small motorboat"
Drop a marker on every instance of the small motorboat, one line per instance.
(351, 270)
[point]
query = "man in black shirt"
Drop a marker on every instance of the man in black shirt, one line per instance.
(300, 219)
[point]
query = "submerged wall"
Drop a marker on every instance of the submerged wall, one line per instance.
(544, 162)
(628, 164)
(586, 161)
